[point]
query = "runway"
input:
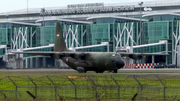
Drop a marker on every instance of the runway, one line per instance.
(166, 70)
(38, 70)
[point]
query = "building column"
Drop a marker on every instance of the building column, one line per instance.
(26, 63)
(152, 58)
(166, 51)
(37, 62)
(166, 59)
(19, 61)
(31, 66)
(44, 62)
(178, 56)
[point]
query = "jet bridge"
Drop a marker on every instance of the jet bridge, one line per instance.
(160, 47)
(15, 61)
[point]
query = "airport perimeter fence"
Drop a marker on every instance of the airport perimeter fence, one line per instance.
(117, 87)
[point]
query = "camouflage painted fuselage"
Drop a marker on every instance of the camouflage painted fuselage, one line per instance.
(96, 61)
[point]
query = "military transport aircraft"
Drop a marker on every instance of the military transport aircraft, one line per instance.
(85, 61)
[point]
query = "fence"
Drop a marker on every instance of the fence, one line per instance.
(82, 87)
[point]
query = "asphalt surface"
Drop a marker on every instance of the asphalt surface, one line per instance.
(37, 70)
(166, 70)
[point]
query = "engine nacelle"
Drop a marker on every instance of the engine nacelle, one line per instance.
(80, 69)
(80, 56)
(135, 57)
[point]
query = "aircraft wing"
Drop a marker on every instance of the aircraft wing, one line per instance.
(138, 56)
(35, 53)
(80, 55)
(123, 53)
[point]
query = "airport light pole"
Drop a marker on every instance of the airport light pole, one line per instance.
(27, 6)
(43, 11)
(140, 4)
(140, 34)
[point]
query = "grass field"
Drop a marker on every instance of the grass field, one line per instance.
(89, 86)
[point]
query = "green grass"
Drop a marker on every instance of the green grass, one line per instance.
(87, 85)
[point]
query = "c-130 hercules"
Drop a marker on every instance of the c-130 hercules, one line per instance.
(85, 61)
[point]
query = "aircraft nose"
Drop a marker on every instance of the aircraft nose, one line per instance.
(119, 63)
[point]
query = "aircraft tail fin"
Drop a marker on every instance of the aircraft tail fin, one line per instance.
(59, 45)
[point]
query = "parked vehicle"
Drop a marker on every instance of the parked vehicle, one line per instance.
(171, 66)
(160, 66)
(164, 66)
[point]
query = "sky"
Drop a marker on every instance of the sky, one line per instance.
(11, 5)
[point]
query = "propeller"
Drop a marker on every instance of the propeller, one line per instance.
(135, 56)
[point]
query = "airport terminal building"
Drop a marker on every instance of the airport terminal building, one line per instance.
(138, 27)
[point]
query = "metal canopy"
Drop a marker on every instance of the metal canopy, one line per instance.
(116, 17)
(21, 23)
(65, 20)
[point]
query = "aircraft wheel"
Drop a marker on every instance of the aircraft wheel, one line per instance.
(82, 71)
(115, 71)
(99, 71)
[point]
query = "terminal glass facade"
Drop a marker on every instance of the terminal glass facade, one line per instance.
(2, 51)
(119, 34)
(105, 20)
(155, 31)
(45, 36)
(164, 18)
(97, 33)
(94, 49)
(3, 36)
(150, 49)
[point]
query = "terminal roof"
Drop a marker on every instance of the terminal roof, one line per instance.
(116, 17)
(65, 20)
(155, 14)
(21, 23)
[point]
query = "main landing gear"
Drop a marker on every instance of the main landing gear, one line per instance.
(115, 71)
(82, 71)
(99, 71)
